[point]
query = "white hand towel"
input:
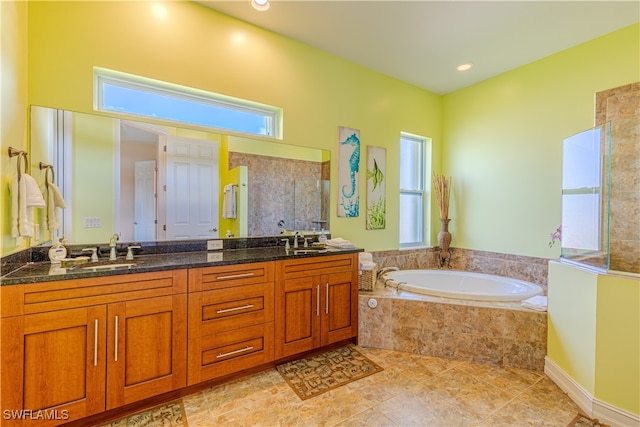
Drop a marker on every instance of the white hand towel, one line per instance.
(54, 199)
(229, 202)
(15, 207)
(34, 196)
(365, 256)
(538, 303)
(367, 265)
(340, 243)
(25, 197)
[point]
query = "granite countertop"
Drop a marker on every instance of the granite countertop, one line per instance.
(36, 272)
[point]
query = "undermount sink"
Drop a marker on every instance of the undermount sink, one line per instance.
(109, 266)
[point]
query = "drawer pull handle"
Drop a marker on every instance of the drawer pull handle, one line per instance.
(115, 357)
(95, 342)
(235, 276)
(242, 350)
(226, 310)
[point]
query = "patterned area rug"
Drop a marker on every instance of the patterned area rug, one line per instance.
(167, 415)
(584, 421)
(327, 371)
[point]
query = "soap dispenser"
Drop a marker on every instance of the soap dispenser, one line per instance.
(57, 252)
(323, 238)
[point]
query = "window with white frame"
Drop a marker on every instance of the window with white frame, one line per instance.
(414, 170)
(135, 96)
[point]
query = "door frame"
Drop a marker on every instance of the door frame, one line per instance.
(161, 174)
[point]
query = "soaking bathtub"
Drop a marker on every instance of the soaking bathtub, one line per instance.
(461, 285)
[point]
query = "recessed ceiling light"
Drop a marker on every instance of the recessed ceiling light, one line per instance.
(159, 10)
(465, 67)
(260, 5)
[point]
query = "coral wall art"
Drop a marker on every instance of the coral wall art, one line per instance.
(348, 172)
(376, 188)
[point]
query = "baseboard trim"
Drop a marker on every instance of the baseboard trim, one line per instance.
(576, 392)
(591, 406)
(609, 414)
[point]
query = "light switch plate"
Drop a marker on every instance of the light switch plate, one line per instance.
(213, 245)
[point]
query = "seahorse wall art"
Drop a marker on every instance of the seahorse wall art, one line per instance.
(348, 172)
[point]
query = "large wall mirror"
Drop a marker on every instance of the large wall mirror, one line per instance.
(148, 182)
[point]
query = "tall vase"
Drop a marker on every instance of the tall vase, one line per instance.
(444, 237)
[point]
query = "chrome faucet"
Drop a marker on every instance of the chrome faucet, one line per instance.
(384, 270)
(130, 252)
(112, 243)
(94, 254)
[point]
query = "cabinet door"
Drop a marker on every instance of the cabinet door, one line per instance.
(146, 348)
(339, 307)
(298, 315)
(53, 366)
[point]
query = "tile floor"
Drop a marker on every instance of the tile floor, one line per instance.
(413, 390)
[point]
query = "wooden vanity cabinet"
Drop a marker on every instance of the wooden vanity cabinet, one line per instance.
(74, 348)
(316, 302)
(231, 314)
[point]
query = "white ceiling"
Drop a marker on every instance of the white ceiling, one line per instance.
(422, 42)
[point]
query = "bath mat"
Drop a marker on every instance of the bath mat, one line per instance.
(167, 415)
(584, 421)
(323, 372)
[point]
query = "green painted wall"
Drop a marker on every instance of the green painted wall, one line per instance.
(594, 333)
(13, 106)
(93, 158)
(503, 142)
(571, 336)
(197, 47)
(618, 342)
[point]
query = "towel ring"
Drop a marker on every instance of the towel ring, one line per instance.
(21, 155)
(47, 168)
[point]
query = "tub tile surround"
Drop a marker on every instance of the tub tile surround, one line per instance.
(530, 269)
(509, 337)
(497, 333)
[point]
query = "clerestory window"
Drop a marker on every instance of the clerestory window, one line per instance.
(135, 96)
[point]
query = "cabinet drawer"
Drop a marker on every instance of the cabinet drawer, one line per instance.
(226, 276)
(290, 269)
(223, 353)
(226, 309)
(49, 296)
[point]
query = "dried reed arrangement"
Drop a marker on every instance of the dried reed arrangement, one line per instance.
(442, 186)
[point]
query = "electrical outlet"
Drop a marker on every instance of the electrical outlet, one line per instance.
(213, 245)
(214, 257)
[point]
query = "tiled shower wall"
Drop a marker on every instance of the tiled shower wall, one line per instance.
(621, 106)
(281, 189)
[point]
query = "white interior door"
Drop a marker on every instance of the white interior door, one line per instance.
(144, 223)
(192, 188)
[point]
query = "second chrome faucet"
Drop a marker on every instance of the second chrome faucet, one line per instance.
(112, 244)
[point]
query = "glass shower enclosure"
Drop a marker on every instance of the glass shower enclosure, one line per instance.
(601, 197)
